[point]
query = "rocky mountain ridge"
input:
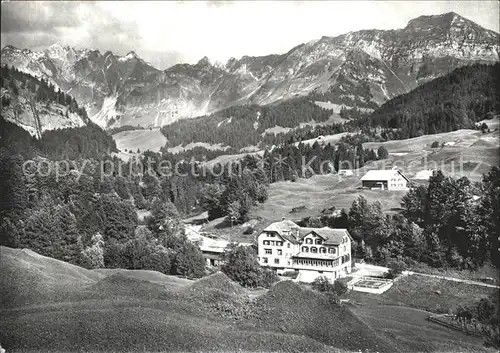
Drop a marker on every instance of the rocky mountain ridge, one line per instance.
(363, 69)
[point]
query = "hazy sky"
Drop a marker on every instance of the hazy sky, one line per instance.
(165, 33)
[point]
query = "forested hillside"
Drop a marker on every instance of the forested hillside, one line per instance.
(454, 101)
(88, 141)
(36, 105)
(33, 107)
(86, 211)
(243, 126)
(42, 91)
(451, 102)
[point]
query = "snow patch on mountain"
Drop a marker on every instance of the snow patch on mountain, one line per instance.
(104, 117)
(128, 57)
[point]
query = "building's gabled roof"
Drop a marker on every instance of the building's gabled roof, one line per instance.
(330, 236)
(290, 231)
(286, 229)
(285, 225)
(376, 175)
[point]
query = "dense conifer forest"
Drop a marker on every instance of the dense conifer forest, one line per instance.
(75, 143)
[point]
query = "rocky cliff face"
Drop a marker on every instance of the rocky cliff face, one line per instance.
(22, 106)
(38, 117)
(364, 69)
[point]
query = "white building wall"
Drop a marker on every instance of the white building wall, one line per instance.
(272, 241)
(280, 250)
(397, 182)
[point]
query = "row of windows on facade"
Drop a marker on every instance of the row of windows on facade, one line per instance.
(276, 261)
(317, 241)
(312, 249)
(320, 241)
(322, 250)
(270, 251)
(307, 262)
(398, 185)
(272, 242)
(320, 263)
(280, 243)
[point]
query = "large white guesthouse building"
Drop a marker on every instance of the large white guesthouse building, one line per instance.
(313, 252)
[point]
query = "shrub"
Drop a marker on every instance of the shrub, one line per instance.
(267, 278)
(323, 284)
(144, 253)
(395, 268)
(93, 256)
(159, 259)
(435, 144)
(340, 287)
(249, 230)
(332, 290)
(241, 265)
(189, 261)
(114, 255)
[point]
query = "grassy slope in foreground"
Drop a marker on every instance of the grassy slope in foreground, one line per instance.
(48, 305)
(124, 311)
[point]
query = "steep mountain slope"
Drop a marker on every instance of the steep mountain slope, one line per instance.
(36, 120)
(364, 69)
(36, 106)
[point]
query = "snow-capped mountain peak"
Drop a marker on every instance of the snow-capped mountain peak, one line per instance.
(130, 56)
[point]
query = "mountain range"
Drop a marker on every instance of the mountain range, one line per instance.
(362, 69)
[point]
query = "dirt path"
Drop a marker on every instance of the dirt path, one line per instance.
(476, 283)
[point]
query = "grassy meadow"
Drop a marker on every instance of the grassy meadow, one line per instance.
(52, 306)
